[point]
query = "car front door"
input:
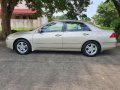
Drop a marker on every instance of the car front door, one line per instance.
(76, 33)
(49, 37)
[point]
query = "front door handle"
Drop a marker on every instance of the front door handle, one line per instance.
(58, 35)
(85, 34)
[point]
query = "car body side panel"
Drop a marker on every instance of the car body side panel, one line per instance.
(47, 40)
(74, 40)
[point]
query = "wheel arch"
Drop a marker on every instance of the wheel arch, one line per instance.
(93, 41)
(21, 39)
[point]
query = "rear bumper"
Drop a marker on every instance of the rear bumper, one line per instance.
(109, 45)
(118, 44)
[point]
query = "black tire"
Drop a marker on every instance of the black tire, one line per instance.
(96, 46)
(28, 47)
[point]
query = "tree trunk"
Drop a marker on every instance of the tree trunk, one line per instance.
(6, 17)
(6, 28)
(117, 5)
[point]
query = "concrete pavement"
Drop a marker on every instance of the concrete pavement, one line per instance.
(59, 70)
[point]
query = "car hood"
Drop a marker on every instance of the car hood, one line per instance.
(20, 34)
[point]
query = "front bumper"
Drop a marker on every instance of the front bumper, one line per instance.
(9, 43)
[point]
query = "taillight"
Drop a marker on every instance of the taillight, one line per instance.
(113, 35)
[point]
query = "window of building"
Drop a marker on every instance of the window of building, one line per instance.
(17, 17)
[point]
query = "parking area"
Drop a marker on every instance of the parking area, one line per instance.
(42, 70)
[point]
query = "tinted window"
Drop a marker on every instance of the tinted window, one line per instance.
(72, 27)
(77, 27)
(53, 27)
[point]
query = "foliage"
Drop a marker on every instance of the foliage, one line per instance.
(116, 25)
(106, 13)
(86, 19)
(46, 7)
(65, 17)
(116, 4)
(104, 28)
(49, 7)
(62, 17)
(74, 8)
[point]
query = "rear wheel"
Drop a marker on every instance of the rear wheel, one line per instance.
(22, 47)
(91, 48)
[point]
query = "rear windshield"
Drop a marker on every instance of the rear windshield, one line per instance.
(92, 27)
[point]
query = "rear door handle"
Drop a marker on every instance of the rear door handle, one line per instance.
(58, 35)
(85, 34)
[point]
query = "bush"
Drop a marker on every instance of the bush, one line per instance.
(116, 25)
(13, 31)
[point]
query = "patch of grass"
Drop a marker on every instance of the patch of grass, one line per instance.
(19, 29)
(16, 30)
(105, 28)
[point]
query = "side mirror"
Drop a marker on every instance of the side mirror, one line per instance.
(40, 31)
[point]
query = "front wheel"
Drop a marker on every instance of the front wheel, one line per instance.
(22, 47)
(91, 48)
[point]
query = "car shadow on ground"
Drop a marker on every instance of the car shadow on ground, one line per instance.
(104, 53)
(58, 52)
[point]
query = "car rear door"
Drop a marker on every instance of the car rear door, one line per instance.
(76, 33)
(50, 36)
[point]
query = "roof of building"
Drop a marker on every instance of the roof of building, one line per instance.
(22, 12)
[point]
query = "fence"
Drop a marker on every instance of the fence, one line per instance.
(27, 23)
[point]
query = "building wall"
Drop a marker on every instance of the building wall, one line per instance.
(27, 23)
(22, 23)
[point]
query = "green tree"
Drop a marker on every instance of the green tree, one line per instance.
(85, 18)
(117, 5)
(76, 7)
(116, 22)
(106, 13)
(116, 25)
(62, 17)
(43, 7)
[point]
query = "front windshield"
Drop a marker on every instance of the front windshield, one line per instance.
(38, 28)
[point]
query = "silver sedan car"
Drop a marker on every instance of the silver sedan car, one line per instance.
(67, 35)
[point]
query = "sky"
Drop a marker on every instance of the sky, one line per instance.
(91, 10)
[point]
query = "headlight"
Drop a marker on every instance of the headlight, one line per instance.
(8, 37)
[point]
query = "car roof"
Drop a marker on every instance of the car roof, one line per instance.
(69, 21)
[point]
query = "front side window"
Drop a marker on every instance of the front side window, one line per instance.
(53, 27)
(73, 27)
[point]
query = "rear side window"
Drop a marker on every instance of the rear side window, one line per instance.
(74, 27)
